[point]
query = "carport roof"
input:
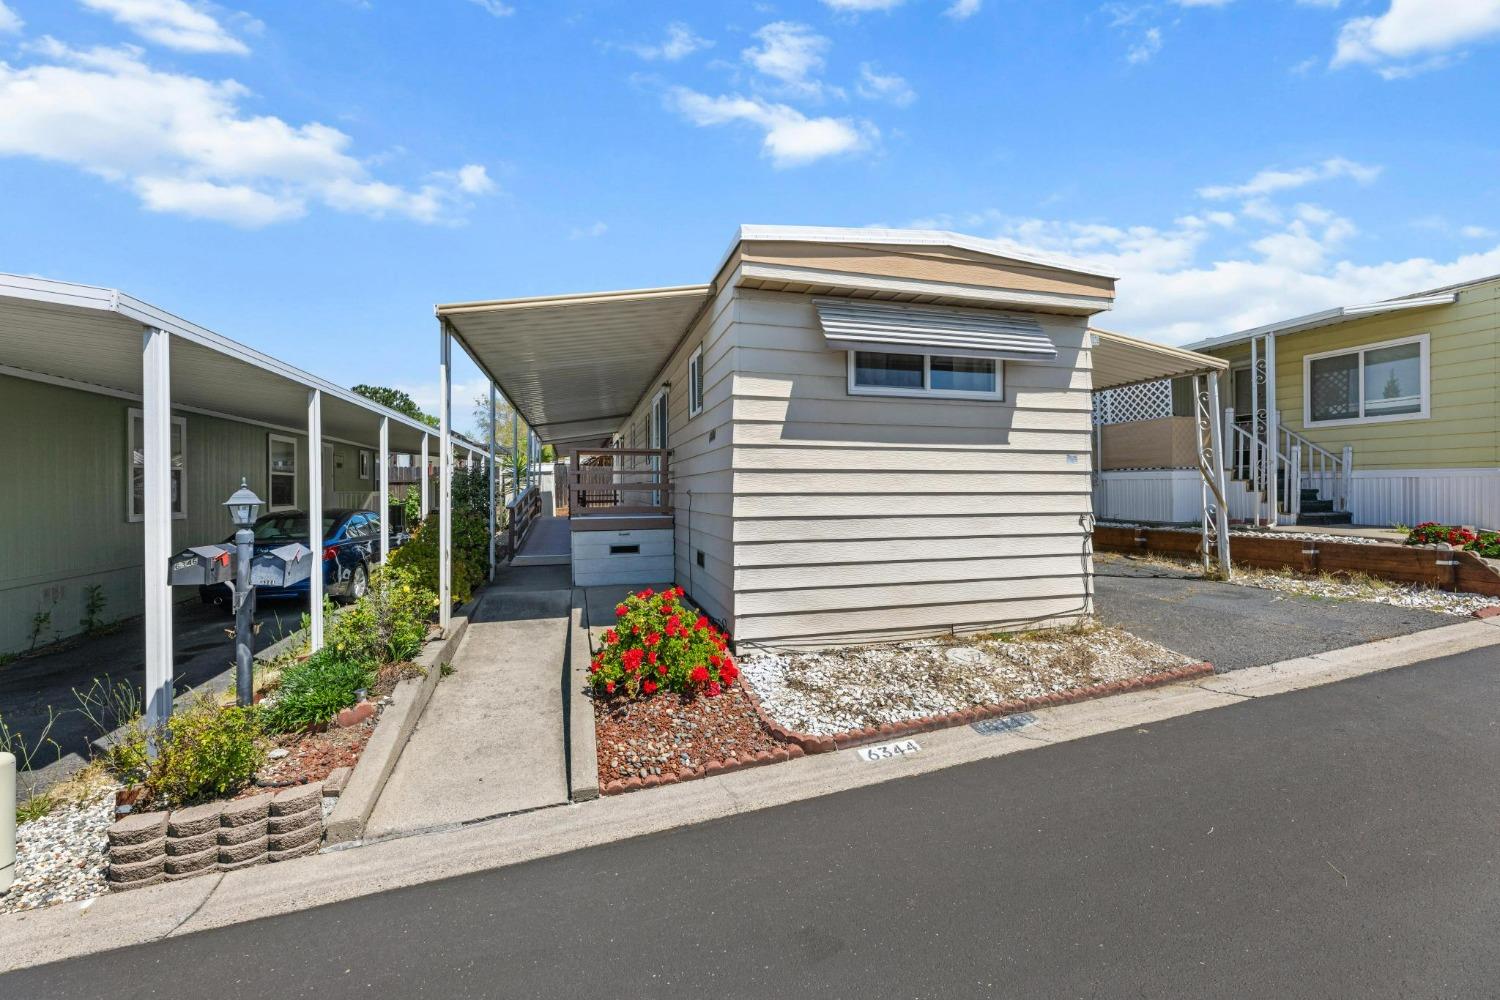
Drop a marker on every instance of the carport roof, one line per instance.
(1120, 360)
(90, 338)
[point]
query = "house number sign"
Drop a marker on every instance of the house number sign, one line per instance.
(888, 751)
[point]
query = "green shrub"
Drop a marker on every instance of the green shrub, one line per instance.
(313, 691)
(389, 623)
(419, 556)
(206, 752)
(659, 644)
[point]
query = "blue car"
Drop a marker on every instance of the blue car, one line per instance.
(351, 548)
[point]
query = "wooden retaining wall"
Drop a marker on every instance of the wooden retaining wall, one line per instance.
(1435, 566)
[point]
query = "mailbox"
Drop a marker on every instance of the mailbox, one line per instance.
(202, 565)
(281, 566)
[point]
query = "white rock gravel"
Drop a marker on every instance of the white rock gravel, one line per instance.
(61, 858)
(831, 691)
(1305, 536)
(1401, 595)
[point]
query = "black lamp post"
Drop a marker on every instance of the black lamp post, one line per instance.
(243, 508)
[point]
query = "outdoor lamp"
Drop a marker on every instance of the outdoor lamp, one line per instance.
(243, 506)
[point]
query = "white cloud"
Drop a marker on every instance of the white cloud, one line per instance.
(862, 6)
(790, 137)
(1191, 279)
(962, 10)
(1477, 233)
(876, 86)
(1429, 31)
(679, 43)
(174, 24)
(183, 145)
(791, 54)
(495, 7)
(1145, 49)
(10, 21)
(589, 232)
(1271, 181)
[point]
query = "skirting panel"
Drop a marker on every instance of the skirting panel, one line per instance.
(1411, 496)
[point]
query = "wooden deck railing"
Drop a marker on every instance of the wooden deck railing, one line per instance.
(521, 512)
(614, 482)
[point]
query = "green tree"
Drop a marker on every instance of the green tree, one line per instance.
(396, 400)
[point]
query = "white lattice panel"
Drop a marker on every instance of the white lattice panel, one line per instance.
(1145, 401)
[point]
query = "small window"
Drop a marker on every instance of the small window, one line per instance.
(695, 382)
(1385, 381)
(136, 430)
(885, 374)
(365, 462)
(282, 471)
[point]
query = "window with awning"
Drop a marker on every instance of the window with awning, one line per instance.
(886, 328)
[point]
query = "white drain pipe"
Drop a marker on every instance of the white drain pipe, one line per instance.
(7, 820)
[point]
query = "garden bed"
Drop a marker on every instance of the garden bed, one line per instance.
(61, 857)
(839, 693)
(670, 738)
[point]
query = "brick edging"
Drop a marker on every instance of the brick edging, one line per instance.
(620, 785)
(1493, 611)
(964, 716)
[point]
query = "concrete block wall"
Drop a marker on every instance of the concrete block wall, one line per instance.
(150, 848)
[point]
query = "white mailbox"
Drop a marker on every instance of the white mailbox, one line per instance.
(281, 566)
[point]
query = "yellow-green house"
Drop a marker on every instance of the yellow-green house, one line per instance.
(1382, 413)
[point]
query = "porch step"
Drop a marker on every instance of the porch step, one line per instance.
(1323, 518)
(1309, 494)
(1312, 505)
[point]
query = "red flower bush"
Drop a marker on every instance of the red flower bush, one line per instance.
(1431, 533)
(651, 639)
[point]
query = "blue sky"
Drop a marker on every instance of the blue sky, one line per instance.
(311, 177)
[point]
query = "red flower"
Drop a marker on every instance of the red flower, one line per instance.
(699, 674)
(620, 611)
(648, 686)
(701, 623)
(713, 689)
(713, 659)
(661, 670)
(594, 667)
(610, 637)
(653, 638)
(651, 657)
(609, 686)
(631, 658)
(635, 630)
(645, 593)
(728, 672)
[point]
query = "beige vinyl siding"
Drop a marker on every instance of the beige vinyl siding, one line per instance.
(701, 498)
(1463, 428)
(67, 525)
(859, 517)
(950, 265)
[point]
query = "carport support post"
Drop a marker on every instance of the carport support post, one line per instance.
(315, 517)
(1216, 439)
(385, 488)
(445, 476)
(1273, 437)
(156, 456)
(423, 476)
(491, 437)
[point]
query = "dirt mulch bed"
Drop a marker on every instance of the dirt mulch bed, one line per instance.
(651, 741)
(311, 757)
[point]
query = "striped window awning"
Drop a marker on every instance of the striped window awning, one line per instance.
(850, 325)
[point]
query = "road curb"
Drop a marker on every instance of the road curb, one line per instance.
(578, 708)
(392, 731)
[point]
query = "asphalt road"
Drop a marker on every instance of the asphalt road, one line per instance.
(1232, 626)
(1336, 842)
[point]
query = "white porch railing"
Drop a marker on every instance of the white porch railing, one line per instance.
(1298, 462)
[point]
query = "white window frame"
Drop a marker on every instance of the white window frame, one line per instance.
(925, 392)
(695, 382)
(366, 464)
(271, 475)
(1424, 339)
(131, 415)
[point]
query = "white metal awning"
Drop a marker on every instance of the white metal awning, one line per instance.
(1332, 317)
(90, 338)
(575, 365)
(853, 325)
(1121, 360)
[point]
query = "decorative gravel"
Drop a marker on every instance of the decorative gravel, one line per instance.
(60, 858)
(831, 691)
(1401, 595)
(1305, 536)
(665, 734)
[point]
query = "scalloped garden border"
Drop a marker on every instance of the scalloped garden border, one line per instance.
(799, 744)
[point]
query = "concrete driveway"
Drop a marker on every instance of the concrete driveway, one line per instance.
(1233, 626)
(202, 654)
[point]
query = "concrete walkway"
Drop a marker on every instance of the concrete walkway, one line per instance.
(491, 741)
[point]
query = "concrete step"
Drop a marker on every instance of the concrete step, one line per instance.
(1313, 506)
(1316, 519)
